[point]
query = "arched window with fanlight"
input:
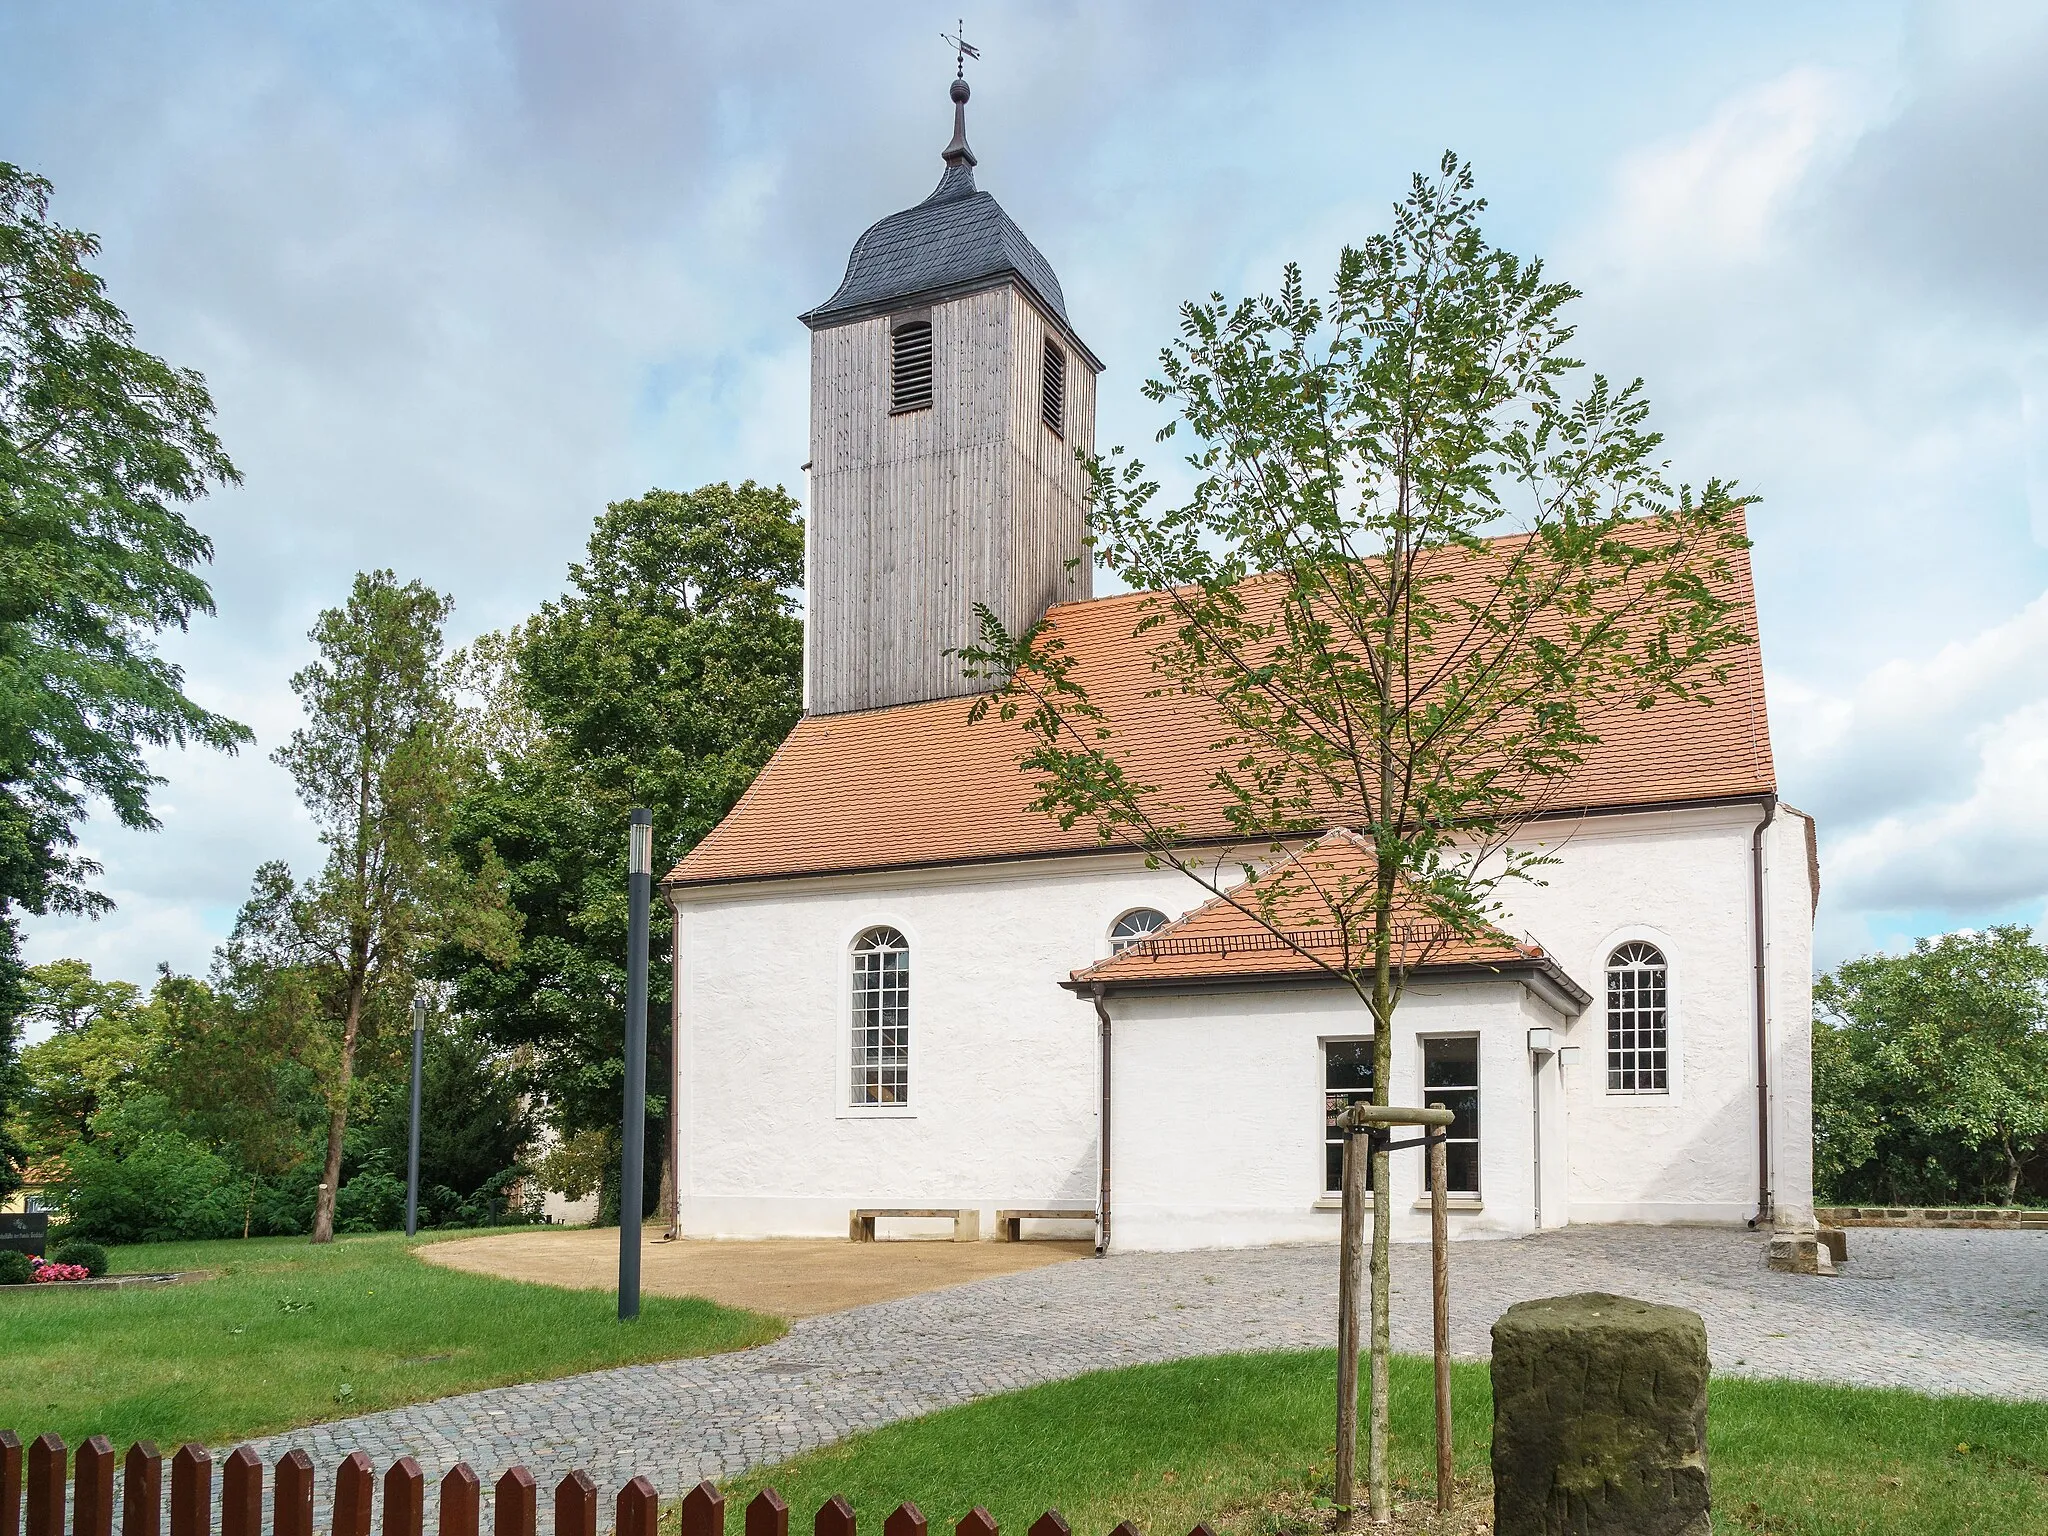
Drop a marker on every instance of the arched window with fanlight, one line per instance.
(881, 1018)
(1638, 1020)
(1133, 927)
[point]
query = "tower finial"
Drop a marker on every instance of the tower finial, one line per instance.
(957, 153)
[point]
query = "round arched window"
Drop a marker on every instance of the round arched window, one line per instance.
(881, 1018)
(1638, 1020)
(1138, 923)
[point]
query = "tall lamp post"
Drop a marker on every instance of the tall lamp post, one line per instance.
(639, 889)
(412, 1144)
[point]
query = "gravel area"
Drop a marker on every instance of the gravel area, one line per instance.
(1942, 1312)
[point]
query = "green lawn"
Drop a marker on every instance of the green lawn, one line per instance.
(287, 1333)
(1243, 1443)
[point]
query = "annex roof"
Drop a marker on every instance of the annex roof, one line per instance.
(1306, 896)
(918, 786)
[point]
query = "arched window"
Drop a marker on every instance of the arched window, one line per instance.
(881, 1018)
(1136, 924)
(1638, 1020)
(910, 367)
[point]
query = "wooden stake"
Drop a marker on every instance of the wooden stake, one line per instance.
(1440, 1308)
(1350, 1255)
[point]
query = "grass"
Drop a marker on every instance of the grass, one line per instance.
(1242, 1443)
(287, 1333)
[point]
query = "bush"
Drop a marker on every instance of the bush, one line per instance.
(15, 1268)
(90, 1257)
(162, 1187)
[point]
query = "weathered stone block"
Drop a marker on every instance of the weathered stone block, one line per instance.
(1599, 1419)
(1836, 1241)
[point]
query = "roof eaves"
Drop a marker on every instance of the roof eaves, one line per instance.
(824, 319)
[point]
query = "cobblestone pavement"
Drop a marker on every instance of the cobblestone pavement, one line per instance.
(1941, 1312)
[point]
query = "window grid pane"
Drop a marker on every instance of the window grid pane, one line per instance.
(881, 1018)
(1138, 924)
(1450, 1077)
(1347, 1080)
(1638, 1021)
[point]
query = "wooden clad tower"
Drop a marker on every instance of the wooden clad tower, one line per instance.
(949, 395)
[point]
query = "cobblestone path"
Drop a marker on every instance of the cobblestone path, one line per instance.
(1940, 1312)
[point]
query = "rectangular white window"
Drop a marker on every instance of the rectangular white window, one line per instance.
(1638, 1020)
(1347, 1080)
(1450, 1077)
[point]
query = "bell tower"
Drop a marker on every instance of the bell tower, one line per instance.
(949, 396)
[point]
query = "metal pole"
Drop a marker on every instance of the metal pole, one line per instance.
(640, 886)
(412, 1147)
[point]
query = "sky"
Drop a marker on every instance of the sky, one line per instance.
(460, 274)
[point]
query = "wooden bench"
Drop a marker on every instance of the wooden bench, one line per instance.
(1010, 1224)
(966, 1220)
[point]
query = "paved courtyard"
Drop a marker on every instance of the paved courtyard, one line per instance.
(1944, 1312)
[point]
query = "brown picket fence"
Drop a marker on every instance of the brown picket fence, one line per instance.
(39, 1470)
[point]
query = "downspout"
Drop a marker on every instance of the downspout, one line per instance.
(1102, 1195)
(1763, 1016)
(1536, 1099)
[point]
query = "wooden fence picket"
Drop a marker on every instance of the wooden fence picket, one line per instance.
(142, 1490)
(92, 1488)
(10, 1483)
(834, 1518)
(703, 1510)
(355, 1489)
(405, 1499)
(33, 1489)
(462, 1498)
(767, 1515)
(576, 1505)
(191, 1491)
(46, 1461)
(241, 1493)
(291, 1497)
(517, 1510)
(638, 1510)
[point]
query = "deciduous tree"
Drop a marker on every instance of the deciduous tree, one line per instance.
(1336, 594)
(101, 447)
(1927, 1061)
(666, 677)
(375, 765)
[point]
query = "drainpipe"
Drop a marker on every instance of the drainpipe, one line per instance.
(1102, 1195)
(1763, 1016)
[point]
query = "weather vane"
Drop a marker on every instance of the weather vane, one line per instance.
(962, 49)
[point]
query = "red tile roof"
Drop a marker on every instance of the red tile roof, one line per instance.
(1285, 924)
(918, 785)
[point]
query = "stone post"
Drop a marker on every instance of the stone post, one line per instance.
(1599, 1419)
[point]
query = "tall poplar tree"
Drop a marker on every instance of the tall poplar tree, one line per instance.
(1335, 594)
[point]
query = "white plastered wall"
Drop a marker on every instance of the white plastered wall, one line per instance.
(1680, 880)
(1004, 1082)
(1005, 1087)
(1217, 1127)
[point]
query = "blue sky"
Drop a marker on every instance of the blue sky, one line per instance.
(459, 274)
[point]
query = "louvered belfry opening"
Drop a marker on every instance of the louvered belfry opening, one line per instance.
(1052, 392)
(910, 367)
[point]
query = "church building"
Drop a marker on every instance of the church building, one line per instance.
(900, 989)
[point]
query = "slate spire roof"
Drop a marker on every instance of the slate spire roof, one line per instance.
(955, 241)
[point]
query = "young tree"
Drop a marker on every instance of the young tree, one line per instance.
(666, 677)
(1936, 1054)
(101, 444)
(1410, 578)
(374, 765)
